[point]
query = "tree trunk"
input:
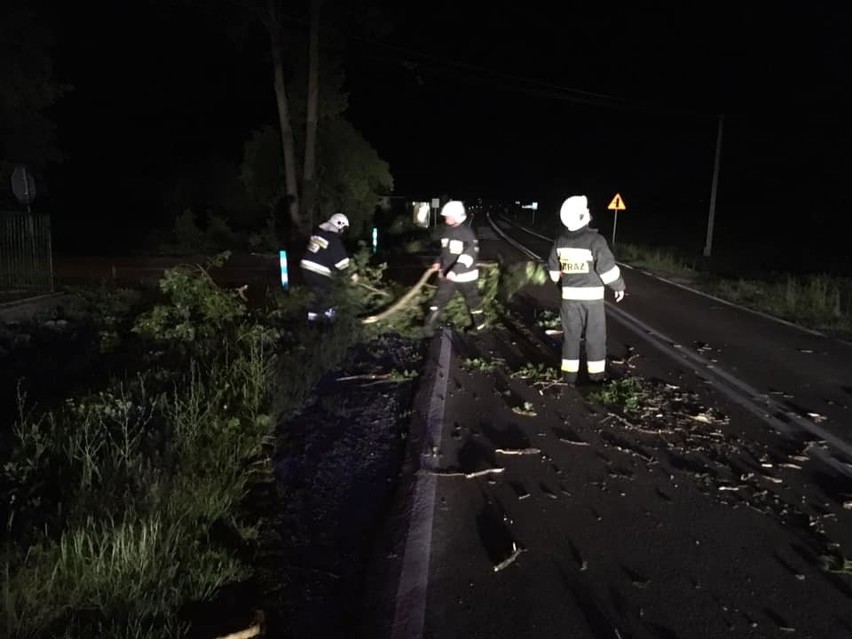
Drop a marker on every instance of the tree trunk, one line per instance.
(288, 143)
(309, 187)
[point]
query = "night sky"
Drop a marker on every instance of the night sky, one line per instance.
(521, 101)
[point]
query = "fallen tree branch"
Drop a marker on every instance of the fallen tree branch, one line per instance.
(378, 291)
(401, 302)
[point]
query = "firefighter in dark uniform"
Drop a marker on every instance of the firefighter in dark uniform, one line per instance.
(325, 258)
(457, 268)
(582, 263)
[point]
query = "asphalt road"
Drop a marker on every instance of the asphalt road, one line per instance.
(709, 510)
(792, 371)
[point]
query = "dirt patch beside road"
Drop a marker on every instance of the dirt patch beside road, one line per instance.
(336, 469)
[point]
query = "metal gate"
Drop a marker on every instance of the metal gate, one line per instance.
(26, 258)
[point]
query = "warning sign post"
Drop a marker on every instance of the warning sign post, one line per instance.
(616, 205)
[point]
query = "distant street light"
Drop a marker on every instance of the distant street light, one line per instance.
(708, 244)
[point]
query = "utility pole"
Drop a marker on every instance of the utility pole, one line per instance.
(708, 244)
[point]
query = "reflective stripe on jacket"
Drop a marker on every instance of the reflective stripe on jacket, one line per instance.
(460, 253)
(584, 264)
(325, 253)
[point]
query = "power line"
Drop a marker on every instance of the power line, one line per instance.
(483, 70)
(526, 85)
(514, 83)
(546, 93)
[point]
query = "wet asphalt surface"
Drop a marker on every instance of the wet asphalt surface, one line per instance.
(689, 520)
(555, 516)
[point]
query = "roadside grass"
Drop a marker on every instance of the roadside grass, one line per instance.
(820, 302)
(114, 501)
(657, 259)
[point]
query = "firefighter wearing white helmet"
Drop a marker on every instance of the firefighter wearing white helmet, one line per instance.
(325, 258)
(457, 268)
(581, 262)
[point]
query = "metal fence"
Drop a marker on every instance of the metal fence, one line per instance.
(26, 258)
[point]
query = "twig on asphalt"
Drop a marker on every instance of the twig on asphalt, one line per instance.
(624, 421)
(550, 384)
(517, 451)
(573, 442)
(367, 376)
(515, 554)
(477, 473)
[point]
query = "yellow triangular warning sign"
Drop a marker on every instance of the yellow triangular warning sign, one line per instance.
(617, 204)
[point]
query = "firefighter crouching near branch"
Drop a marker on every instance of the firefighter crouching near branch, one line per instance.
(582, 263)
(457, 268)
(325, 258)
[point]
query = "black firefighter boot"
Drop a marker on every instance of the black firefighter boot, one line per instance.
(431, 324)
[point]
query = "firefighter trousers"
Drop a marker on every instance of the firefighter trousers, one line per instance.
(446, 290)
(583, 319)
(321, 301)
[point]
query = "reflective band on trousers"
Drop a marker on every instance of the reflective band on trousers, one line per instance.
(570, 365)
(316, 268)
(611, 275)
(582, 293)
(470, 276)
(596, 366)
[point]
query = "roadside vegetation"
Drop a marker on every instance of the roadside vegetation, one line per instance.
(820, 302)
(117, 501)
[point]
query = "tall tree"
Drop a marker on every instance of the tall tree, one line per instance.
(308, 178)
(351, 176)
(273, 24)
(307, 92)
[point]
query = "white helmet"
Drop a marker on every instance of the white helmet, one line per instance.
(455, 210)
(575, 212)
(339, 222)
